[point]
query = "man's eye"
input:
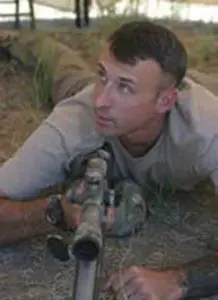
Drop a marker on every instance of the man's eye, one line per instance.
(126, 89)
(102, 76)
(103, 79)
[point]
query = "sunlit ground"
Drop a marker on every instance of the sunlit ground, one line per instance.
(151, 8)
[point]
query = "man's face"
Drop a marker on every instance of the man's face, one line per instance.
(125, 96)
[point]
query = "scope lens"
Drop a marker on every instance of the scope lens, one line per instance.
(86, 249)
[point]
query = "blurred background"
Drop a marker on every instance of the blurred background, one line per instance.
(65, 10)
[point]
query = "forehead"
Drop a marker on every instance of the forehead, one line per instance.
(143, 72)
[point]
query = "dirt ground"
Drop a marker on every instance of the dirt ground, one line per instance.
(182, 228)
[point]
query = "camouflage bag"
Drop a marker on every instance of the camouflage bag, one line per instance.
(131, 212)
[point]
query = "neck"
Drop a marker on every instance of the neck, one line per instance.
(140, 141)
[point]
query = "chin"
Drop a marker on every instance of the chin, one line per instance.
(110, 132)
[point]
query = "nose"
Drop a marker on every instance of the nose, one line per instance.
(103, 98)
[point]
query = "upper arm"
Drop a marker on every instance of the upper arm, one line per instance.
(212, 164)
(37, 165)
(2, 194)
(208, 163)
(214, 177)
(43, 159)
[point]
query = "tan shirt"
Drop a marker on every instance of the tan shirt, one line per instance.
(184, 154)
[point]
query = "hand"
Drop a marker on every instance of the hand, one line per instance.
(72, 213)
(110, 217)
(138, 283)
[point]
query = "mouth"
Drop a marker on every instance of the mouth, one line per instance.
(102, 121)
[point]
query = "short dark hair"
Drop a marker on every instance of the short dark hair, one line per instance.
(143, 39)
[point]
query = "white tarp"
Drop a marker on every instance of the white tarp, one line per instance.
(68, 5)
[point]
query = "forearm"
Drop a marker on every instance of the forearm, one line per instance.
(199, 278)
(22, 220)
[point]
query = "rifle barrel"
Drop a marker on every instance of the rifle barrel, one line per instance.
(86, 279)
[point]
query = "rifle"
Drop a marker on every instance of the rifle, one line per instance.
(94, 191)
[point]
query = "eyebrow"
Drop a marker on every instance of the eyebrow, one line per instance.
(124, 79)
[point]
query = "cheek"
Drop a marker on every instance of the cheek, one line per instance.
(96, 91)
(131, 109)
(138, 114)
(127, 116)
(121, 109)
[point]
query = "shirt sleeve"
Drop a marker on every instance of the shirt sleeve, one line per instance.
(207, 166)
(44, 159)
(214, 177)
(36, 166)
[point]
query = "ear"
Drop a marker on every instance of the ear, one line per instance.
(167, 99)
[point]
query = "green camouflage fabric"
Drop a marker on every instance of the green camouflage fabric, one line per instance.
(131, 213)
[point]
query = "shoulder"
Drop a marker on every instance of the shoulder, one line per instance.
(195, 113)
(193, 126)
(82, 102)
(74, 119)
(71, 111)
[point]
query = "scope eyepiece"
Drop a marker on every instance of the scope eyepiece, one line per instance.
(58, 247)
